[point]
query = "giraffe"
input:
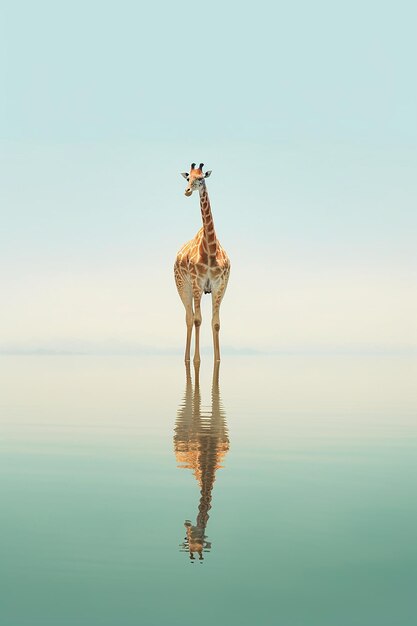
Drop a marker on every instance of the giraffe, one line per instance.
(200, 442)
(201, 266)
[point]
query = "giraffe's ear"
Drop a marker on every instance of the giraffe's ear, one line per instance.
(207, 174)
(185, 175)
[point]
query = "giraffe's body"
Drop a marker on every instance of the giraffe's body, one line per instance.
(193, 266)
(202, 265)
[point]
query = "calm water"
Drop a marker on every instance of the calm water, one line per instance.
(281, 492)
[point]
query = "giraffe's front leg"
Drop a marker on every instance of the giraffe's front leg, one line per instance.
(186, 295)
(217, 296)
(197, 293)
(189, 320)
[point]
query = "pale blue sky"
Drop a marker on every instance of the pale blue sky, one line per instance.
(305, 112)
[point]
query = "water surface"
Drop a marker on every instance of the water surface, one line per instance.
(278, 491)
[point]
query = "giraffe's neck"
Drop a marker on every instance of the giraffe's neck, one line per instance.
(208, 224)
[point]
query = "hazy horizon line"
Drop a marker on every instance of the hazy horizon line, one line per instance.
(376, 350)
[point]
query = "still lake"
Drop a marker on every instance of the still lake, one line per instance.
(279, 491)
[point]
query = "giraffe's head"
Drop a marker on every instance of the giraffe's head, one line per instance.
(195, 178)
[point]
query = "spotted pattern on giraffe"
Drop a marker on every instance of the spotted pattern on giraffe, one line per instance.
(201, 265)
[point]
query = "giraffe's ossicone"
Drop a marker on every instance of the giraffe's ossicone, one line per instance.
(201, 266)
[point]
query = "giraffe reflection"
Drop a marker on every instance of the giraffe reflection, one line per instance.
(201, 442)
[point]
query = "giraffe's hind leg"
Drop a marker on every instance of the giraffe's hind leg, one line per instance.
(197, 293)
